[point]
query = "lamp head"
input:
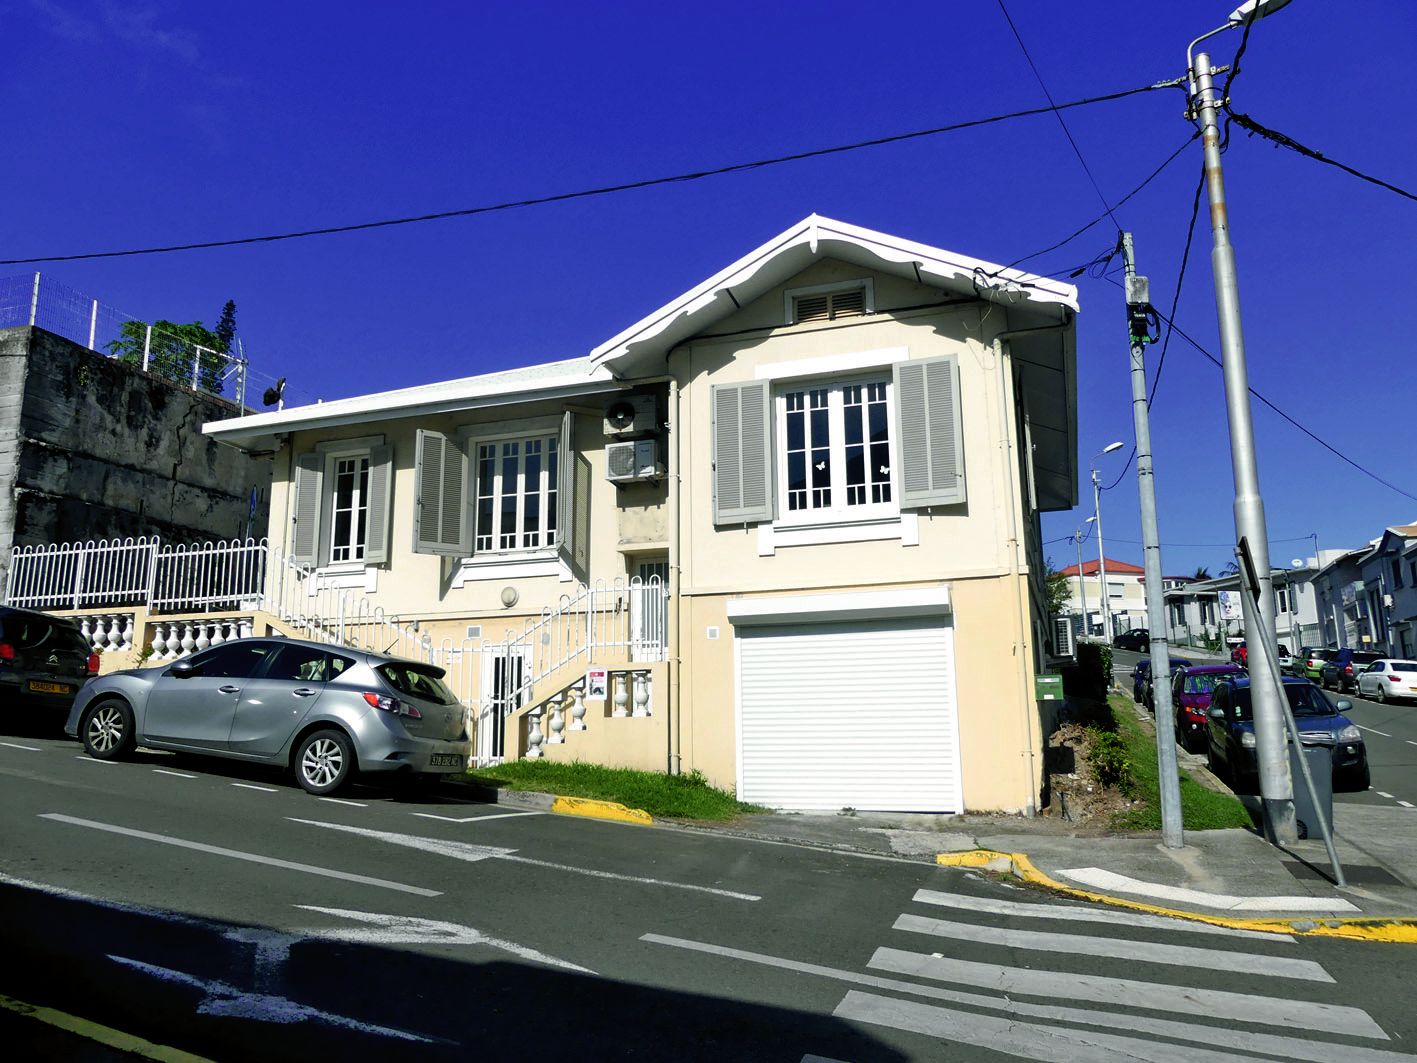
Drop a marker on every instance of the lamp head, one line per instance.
(1254, 10)
(1110, 447)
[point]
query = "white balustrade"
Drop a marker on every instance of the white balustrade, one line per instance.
(171, 640)
(534, 737)
(621, 697)
(578, 707)
(107, 632)
(558, 720)
(640, 686)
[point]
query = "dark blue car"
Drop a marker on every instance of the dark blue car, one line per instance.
(1230, 734)
(1141, 679)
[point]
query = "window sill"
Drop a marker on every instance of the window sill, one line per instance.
(512, 566)
(346, 575)
(905, 527)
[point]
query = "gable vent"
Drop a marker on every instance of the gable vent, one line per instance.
(829, 306)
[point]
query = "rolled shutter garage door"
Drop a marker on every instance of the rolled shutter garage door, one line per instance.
(853, 714)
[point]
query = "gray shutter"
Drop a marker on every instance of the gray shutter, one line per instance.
(931, 445)
(305, 514)
(573, 502)
(742, 452)
(381, 478)
(440, 519)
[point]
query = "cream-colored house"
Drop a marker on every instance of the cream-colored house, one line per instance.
(793, 516)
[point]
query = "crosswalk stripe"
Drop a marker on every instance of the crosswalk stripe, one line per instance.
(1235, 1040)
(1028, 1040)
(1117, 948)
(1035, 910)
(1158, 996)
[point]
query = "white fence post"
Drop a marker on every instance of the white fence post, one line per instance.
(93, 323)
(34, 301)
(147, 347)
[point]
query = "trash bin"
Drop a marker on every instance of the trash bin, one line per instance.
(1320, 761)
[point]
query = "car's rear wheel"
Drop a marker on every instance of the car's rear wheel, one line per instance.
(108, 730)
(1380, 695)
(324, 762)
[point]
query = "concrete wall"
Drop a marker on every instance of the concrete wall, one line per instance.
(104, 450)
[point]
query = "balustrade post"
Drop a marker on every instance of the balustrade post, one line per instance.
(159, 643)
(641, 692)
(115, 636)
(621, 697)
(558, 720)
(202, 641)
(86, 630)
(246, 627)
(578, 707)
(127, 634)
(534, 737)
(187, 640)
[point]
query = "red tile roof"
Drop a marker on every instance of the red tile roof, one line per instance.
(1114, 568)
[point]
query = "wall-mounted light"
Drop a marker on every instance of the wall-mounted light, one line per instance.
(510, 597)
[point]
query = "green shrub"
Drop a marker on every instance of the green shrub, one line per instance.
(1110, 759)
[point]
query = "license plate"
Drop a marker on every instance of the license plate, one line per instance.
(445, 760)
(50, 688)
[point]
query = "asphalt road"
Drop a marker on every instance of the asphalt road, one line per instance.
(221, 910)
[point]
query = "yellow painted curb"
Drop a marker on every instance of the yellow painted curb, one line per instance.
(123, 1042)
(1393, 931)
(611, 810)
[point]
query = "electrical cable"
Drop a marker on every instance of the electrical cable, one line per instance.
(1066, 131)
(601, 191)
(1255, 128)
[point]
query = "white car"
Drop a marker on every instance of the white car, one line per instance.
(1388, 679)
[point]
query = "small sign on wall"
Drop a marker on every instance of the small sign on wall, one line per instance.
(597, 684)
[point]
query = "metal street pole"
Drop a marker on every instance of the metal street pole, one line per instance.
(1138, 305)
(1266, 695)
(1082, 586)
(1101, 561)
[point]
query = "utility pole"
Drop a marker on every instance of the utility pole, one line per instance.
(1266, 693)
(1101, 562)
(1139, 315)
(1082, 586)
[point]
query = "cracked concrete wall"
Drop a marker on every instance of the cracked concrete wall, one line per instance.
(91, 448)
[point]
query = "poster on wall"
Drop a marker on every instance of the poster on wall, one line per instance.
(597, 684)
(1230, 605)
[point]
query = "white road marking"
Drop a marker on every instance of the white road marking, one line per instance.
(338, 801)
(409, 930)
(250, 786)
(1406, 804)
(472, 819)
(1381, 794)
(16, 745)
(1030, 910)
(1411, 743)
(1155, 996)
(1117, 948)
(1230, 1039)
(228, 1000)
(473, 853)
(235, 854)
(1372, 730)
(179, 774)
(1109, 880)
(92, 760)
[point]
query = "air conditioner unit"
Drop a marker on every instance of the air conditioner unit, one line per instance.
(630, 415)
(1387, 601)
(1063, 643)
(633, 461)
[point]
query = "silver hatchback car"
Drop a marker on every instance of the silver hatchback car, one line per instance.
(328, 712)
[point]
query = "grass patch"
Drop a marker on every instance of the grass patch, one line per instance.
(672, 796)
(1201, 808)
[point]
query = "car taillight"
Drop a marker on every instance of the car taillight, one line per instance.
(93, 664)
(387, 704)
(1393, 679)
(7, 652)
(1348, 668)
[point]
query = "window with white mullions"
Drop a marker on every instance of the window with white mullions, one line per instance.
(516, 495)
(350, 512)
(835, 442)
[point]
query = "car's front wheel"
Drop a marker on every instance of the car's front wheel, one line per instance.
(108, 730)
(324, 762)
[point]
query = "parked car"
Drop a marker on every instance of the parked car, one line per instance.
(1284, 659)
(1341, 670)
(1240, 655)
(326, 712)
(44, 662)
(1137, 638)
(1148, 694)
(1312, 662)
(1230, 733)
(1190, 701)
(1141, 680)
(1389, 678)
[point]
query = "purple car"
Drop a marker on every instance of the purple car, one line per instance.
(1190, 698)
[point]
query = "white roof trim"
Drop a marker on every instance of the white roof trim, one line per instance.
(852, 605)
(685, 315)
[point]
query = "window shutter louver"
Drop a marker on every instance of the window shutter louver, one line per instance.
(305, 535)
(381, 477)
(931, 445)
(742, 453)
(441, 524)
(848, 304)
(573, 502)
(812, 308)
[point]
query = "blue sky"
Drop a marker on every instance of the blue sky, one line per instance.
(151, 123)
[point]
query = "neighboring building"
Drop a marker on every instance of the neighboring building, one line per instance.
(833, 454)
(1342, 602)
(1126, 594)
(92, 448)
(1389, 575)
(1197, 613)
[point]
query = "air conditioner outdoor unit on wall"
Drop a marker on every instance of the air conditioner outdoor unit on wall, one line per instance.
(1063, 644)
(630, 415)
(633, 461)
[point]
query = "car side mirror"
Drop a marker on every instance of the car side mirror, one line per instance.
(184, 670)
(1344, 705)
(1217, 714)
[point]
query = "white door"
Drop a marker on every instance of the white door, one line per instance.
(857, 714)
(504, 691)
(649, 611)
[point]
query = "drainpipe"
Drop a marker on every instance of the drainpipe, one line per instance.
(676, 657)
(1014, 501)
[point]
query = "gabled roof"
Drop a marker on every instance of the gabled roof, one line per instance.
(789, 253)
(1114, 568)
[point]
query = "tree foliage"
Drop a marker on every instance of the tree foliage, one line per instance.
(176, 349)
(1056, 589)
(1201, 573)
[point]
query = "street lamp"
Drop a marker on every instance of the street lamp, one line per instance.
(1267, 697)
(1110, 448)
(1078, 537)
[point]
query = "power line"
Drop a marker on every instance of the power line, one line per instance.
(601, 191)
(1257, 129)
(1058, 114)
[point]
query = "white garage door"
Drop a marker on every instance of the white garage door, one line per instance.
(857, 714)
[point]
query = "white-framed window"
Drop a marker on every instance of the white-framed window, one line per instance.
(349, 506)
(515, 481)
(835, 451)
(1116, 590)
(341, 506)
